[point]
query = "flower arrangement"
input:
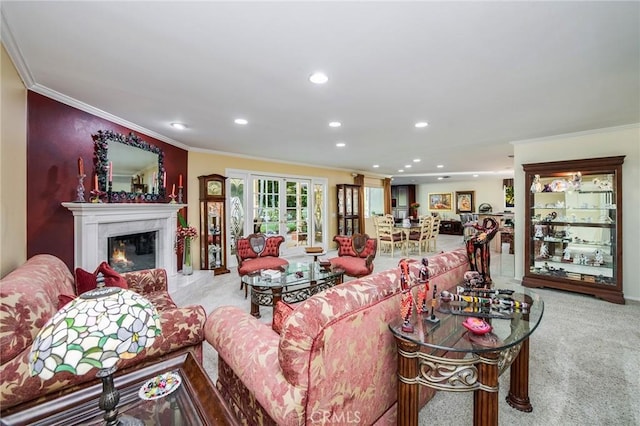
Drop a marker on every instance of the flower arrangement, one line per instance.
(414, 205)
(185, 233)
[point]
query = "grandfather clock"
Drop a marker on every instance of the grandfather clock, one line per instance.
(213, 245)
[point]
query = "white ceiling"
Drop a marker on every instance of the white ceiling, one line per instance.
(482, 74)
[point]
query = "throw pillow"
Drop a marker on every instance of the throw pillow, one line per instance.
(345, 246)
(272, 246)
(280, 315)
(86, 281)
(63, 299)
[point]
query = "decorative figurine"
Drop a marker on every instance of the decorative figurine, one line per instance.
(567, 254)
(544, 251)
(407, 303)
(576, 181)
(536, 186)
(598, 257)
(432, 318)
(539, 233)
(478, 248)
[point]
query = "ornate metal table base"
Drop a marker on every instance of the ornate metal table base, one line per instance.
(269, 296)
(478, 373)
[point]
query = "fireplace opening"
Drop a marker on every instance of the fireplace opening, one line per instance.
(133, 252)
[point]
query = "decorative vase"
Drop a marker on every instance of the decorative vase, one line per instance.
(187, 260)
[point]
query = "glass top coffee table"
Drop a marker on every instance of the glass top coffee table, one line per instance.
(447, 356)
(296, 282)
(196, 401)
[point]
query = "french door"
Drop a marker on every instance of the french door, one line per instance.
(293, 207)
(281, 207)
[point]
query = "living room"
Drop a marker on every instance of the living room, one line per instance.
(45, 131)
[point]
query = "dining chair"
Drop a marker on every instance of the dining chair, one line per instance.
(388, 236)
(433, 236)
(420, 237)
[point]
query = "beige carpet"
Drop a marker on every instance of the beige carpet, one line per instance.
(584, 357)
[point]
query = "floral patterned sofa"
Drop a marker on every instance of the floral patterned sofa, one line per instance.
(334, 359)
(29, 296)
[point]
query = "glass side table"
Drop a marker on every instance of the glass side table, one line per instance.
(446, 356)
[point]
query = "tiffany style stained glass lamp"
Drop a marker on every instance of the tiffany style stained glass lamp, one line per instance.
(96, 330)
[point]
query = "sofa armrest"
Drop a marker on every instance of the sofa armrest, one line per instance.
(250, 348)
(147, 281)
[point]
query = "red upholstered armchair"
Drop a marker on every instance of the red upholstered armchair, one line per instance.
(355, 254)
(256, 252)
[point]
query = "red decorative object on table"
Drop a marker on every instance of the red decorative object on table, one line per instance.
(477, 325)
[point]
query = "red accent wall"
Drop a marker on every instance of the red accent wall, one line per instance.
(57, 135)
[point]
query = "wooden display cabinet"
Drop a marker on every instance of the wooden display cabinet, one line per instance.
(573, 226)
(213, 245)
(349, 216)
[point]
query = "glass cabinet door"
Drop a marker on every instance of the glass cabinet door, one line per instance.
(574, 226)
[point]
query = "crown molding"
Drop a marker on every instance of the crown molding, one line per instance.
(45, 91)
(27, 78)
(577, 134)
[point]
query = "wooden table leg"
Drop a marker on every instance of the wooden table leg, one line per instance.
(255, 308)
(407, 412)
(485, 402)
(518, 396)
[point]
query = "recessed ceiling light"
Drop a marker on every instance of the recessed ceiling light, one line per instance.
(375, 166)
(421, 124)
(318, 78)
(475, 175)
(439, 166)
(407, 166)
(335, 124)
(241, 121)
(178, 126)
(341, 144)
(416, 160)
(440, 178)
(400, 170)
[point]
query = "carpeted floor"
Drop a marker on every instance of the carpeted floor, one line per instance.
(584, 356)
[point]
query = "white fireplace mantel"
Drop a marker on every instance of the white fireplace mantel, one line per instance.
(94, 223)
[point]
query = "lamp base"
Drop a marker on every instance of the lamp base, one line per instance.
(109, 401)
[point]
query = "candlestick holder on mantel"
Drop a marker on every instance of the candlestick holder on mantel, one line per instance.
(173, 199)
(180, 195)
(80, 189)
(96, 196)
(109, 191)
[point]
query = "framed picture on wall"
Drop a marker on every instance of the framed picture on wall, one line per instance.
(509, 200)
(440, 201)
(465, 202)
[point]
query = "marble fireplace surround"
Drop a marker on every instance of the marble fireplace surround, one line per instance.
(95, 223)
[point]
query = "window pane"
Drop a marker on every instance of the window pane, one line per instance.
(373, 201)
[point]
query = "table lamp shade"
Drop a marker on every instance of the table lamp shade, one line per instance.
(95, 330)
